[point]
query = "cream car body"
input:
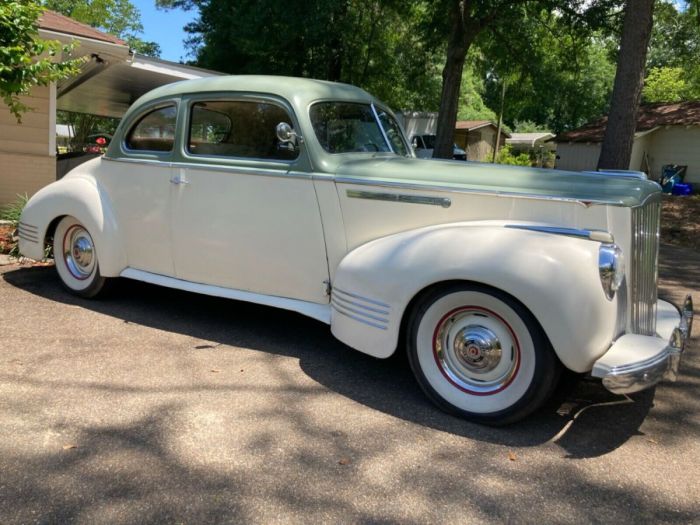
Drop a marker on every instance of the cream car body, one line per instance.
(354, 239)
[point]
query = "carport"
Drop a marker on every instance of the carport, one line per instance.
(111, 79)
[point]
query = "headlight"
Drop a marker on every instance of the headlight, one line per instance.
(611, 265)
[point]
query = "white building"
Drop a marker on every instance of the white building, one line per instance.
(666, 134)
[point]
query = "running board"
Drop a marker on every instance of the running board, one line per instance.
(320, 312)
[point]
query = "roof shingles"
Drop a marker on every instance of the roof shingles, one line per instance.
(649, 117)
(52, 21)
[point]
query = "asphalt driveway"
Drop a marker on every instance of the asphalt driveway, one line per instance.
(156, 405)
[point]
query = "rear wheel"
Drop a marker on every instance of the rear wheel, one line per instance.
(76, 259)
(478, 353)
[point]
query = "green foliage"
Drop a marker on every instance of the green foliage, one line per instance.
(506, 156)
(528, 126)
(26, 60)
(370, 43)
(673, 62)
(665, 84)
(559, 73)
(120, 18)
(13, 211)
(471, 102)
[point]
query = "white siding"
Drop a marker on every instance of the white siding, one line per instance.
(676, 145)
(577, 156)
(26, 164)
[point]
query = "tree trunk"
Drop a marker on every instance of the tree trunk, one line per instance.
(457, 48)
(616, 150)
(500, 122)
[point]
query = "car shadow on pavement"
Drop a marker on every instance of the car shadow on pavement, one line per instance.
(584, 419)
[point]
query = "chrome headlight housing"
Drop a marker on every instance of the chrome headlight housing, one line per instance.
(611, 266)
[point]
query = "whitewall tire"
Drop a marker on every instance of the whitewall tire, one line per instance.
(76, 259)
(479, 353)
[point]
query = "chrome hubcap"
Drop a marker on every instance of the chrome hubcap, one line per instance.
(79, 252)
(476, 350)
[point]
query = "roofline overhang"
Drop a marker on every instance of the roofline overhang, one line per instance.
(100, 47)
(165, 67)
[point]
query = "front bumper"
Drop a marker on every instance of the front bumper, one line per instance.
(636, 362)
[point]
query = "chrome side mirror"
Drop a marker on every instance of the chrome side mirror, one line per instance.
(286, 134)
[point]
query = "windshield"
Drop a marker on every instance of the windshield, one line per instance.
(345, 127)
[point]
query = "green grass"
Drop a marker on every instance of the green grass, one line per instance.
(13, 211)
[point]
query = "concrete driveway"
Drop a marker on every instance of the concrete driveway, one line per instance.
(161, 406)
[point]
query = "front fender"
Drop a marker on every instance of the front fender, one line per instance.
(80, 197)
(555, 277)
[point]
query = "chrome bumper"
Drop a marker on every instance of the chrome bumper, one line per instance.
(636, 362)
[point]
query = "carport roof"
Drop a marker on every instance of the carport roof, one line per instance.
(114, 76)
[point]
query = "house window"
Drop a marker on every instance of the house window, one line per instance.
(241, 129)
(155, 131)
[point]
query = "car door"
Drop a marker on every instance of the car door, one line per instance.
(139, 186)
(245, 215)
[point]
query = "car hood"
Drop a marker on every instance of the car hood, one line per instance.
(500, 179)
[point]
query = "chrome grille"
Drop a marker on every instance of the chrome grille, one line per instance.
(644, 266)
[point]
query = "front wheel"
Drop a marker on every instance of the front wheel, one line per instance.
(76, 259)
(480, 354)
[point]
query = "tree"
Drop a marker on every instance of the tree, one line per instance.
(616, 149)
(370, 43)
(120, 18)
(25, 59)
(666, 84)
(559, 71)
(470, 20)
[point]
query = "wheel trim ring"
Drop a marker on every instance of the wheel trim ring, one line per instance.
(68, 255)
(446, 375)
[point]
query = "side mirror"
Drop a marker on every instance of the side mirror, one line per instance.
(286, 134)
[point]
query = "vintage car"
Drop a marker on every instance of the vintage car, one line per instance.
(305, 195)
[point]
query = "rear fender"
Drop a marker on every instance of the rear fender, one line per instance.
(80, 197)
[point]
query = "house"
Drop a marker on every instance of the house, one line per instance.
(478, 138)
(666, 134)
(109, 82)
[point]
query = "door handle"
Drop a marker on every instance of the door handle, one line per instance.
(179, 180)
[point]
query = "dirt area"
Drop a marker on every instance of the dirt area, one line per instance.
(6, 243)
(680, 221)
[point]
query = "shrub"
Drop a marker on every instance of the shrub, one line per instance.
(506, 156)
(13, 211)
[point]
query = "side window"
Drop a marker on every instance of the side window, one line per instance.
(243, 129)
(155, 131)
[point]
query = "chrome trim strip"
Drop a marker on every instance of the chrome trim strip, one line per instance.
(397, 197)
(381, 128)
(372, 301)
(318, 311)
(358, 319)
(334, 301)
(245, 170)
(359, 305)
(451, 189)
(592, 235)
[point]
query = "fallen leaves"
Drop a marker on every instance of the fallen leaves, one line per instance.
(69, 446)
(344, 461)
(512, 456)
(215, 370)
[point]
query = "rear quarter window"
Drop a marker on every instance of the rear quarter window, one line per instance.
(155, 131)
